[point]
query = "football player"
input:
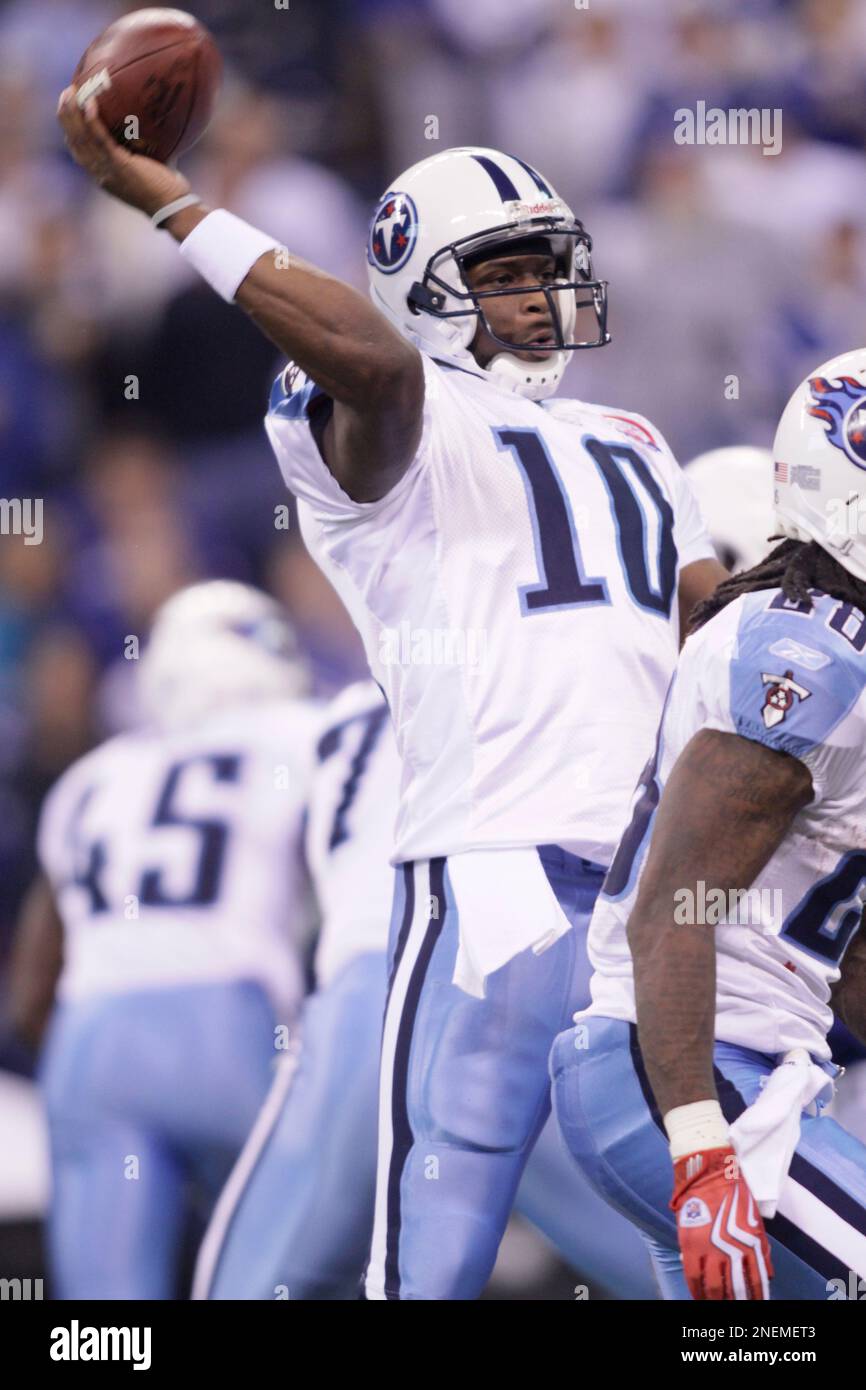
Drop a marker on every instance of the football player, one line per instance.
(517, 567)
(172, 863)
(296, 1215)
(734, 489)
(706, 1040)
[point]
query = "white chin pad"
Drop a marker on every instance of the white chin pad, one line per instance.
(534, 380)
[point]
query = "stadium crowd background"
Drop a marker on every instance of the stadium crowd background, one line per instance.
(131, 398)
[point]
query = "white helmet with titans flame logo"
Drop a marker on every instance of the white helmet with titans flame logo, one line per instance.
(819, 461)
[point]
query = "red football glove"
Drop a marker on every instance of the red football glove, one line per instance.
(726, 1254)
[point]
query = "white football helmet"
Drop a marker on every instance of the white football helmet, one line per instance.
(820, 461)
(445, 211)
(218, 644)
(734, 488)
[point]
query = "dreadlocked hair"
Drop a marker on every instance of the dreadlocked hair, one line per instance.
(795, 567)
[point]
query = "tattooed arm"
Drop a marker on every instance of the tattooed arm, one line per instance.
(849, 993)
(726, 808)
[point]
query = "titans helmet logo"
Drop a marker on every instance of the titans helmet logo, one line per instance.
(392, 233)
(841, 405)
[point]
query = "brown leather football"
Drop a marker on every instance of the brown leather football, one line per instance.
(155, 76)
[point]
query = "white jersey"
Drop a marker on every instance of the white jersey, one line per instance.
(793, 680)
(516, 595)
(177, 858)
(350, 827)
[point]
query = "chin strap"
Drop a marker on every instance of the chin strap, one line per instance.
(534, 380)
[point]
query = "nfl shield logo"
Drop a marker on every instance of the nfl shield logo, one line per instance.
(695, 1213)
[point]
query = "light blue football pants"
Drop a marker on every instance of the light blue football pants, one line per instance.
(148, 1096)
(612, 1127)
(465, 1092)
(296, 1216)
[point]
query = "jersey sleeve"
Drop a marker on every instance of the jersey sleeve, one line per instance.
(794, 688)
(297, 414)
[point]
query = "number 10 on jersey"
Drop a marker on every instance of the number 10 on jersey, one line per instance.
(563, 582)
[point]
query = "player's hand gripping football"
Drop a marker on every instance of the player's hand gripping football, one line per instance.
(133, 178)
(726, 1254)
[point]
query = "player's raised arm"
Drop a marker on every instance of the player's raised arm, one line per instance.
(725, 810)
(374, 376)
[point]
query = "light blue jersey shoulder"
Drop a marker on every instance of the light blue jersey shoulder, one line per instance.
(796, 672)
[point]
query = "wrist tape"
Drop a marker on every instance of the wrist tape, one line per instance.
(694, 1127)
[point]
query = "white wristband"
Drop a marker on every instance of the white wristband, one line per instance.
(223, 249)
(700, 1125)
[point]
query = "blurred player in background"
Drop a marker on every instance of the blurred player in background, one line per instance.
(758, 781)
(296, 1215)
(734, 490)
(172, 904)
(445, 493)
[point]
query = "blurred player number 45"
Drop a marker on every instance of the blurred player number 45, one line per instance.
(155, 75)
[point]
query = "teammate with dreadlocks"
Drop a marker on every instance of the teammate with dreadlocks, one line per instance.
(750, 820)
(796, 567)
(734, 488)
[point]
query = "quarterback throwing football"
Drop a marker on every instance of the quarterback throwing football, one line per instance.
(517, 567)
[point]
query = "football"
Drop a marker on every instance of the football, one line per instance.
(155, 74)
